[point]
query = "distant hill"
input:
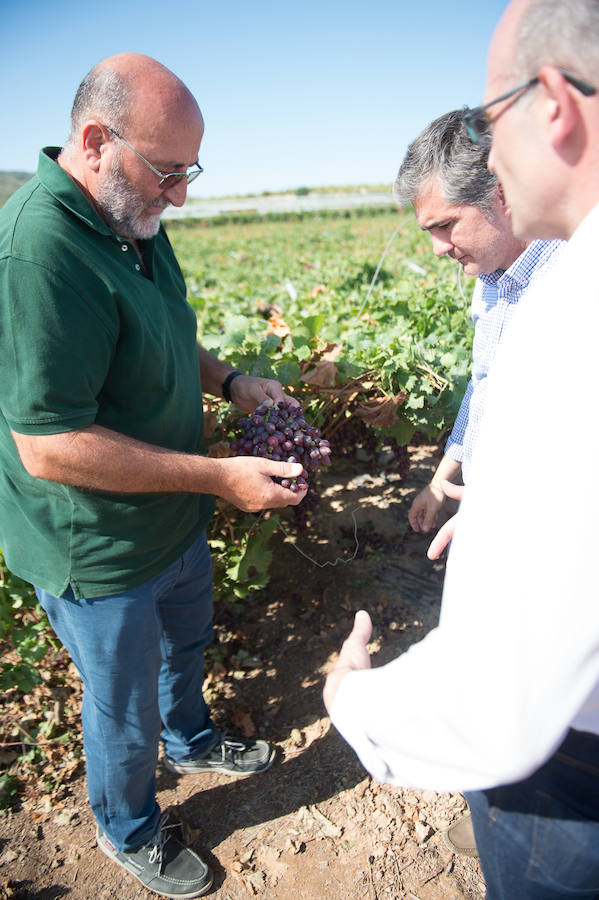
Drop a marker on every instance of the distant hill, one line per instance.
(10, 181)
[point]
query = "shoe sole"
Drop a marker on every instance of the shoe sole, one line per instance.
(455, 846)
(181, 769)
(195, 893)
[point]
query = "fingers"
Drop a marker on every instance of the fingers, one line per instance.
(289, 470)
(273, 497)
(354, 652)
(417, 511)
(292, 400)
(273, 392)
(455, 491)
(429, 518)
(414, 515)
(362, 629)
(423, 512)
(282, 497)
(442, 539)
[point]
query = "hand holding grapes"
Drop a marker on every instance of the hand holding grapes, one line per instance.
(248, 392)
(248, 483)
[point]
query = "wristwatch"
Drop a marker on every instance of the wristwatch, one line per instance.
(226, 385)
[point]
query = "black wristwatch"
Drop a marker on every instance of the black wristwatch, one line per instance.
(226, 386)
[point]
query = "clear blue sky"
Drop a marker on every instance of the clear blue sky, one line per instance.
(311, 93)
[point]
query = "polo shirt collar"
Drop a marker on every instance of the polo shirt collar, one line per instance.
(64, 189)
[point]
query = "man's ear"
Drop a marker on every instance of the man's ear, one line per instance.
(561, 107)
(501, 198)
(501, 195)
(94, 144)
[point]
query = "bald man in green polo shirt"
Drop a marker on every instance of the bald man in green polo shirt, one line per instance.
(105, 493)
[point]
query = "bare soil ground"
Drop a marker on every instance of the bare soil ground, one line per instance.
(315, 826)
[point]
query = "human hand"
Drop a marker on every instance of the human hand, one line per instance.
(441, 539)
(248, 392)
(425, 507)
(446, 532)
(246, 482)
(354, 655)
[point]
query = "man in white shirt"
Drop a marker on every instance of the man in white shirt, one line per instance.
(520, 595)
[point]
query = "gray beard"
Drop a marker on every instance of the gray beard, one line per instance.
(122, 207)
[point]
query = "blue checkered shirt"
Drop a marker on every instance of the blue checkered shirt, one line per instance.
(494, 302)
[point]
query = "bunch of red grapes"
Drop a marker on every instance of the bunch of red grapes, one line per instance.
(280, 432)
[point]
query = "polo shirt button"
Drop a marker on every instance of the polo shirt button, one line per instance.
(124, 247)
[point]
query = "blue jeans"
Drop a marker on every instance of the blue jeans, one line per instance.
(539, 839)
(140, 655)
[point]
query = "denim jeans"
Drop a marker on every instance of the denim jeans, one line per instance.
(539, 839)
(140, 655)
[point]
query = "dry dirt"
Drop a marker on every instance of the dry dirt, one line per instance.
(315, 826)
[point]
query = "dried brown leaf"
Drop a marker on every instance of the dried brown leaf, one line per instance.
(322, 374)
(382, 411)
(210, 423)
(277, 325)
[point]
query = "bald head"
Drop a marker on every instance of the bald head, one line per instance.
(535, 33)
(131, 92)
(556, 32)
(545, 146)
(134, 127)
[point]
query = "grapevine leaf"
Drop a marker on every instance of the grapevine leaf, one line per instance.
(235, 329)
(402, 431)
(20, 675)
(288, 372)
(314, 324)
(415, 401)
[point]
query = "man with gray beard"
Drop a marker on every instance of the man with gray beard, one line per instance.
(105, 493)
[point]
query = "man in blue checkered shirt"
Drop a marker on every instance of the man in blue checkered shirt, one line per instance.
(444, 176)
(460, 203)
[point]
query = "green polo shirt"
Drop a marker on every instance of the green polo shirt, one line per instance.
(87, 336)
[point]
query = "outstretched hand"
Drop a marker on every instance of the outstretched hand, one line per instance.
(354, 655)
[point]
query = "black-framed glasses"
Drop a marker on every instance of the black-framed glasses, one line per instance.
(477, 122)
(167, 179)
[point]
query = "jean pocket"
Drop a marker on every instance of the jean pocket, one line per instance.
(564, 853)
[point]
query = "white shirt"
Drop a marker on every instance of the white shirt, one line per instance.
(488, 696)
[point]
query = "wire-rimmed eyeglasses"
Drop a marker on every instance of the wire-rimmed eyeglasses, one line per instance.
(476, 120)
(167, 179)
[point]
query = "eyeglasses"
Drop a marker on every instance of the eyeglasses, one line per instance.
(477, 122)
(167, 179)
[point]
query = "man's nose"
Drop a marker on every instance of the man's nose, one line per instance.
(441, 246)
(177, 193)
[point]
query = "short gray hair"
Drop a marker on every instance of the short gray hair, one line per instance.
(105, 94)
(560, 33)
(444, 151)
